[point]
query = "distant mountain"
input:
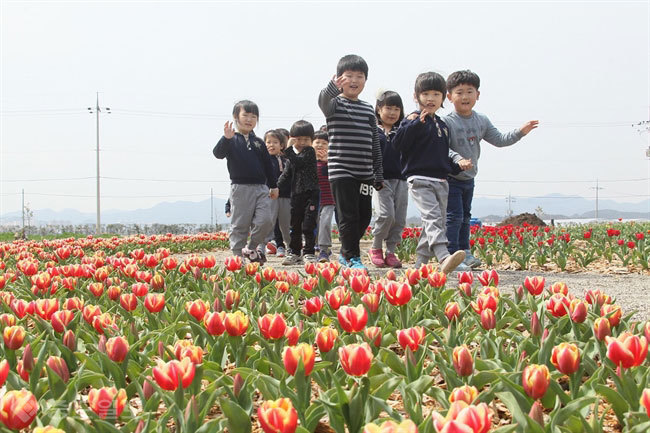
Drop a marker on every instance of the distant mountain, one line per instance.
(554, 206)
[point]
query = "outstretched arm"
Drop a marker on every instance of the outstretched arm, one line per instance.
(222, 148)
(327, 97)
(529, 126)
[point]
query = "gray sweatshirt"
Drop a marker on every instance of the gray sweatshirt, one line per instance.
(466, 133)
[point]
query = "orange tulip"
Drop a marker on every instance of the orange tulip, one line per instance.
(627, 350)
(214, 323)
(46, 307)
(398, 293)
(61, 319)
(236, 323)
(233, 263)
(171, 374)
(566, 358)
(325, 339)
(13, 337)
(356, 358)
(411, 337)
(154, 302)
(293, 354)
(406, 426)
(464, 393)
(18, 409)
(578, 310)
(536, 379)
(463, 361)
(352, 319)
(107, 401)
(117, 348)
(197, 309)
(645, 400)
(602, 328)
(277, 416)
(129, 301)
(464, 418)
(272, 326)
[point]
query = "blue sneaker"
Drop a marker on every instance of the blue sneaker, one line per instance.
(342, 260)
(355, 263)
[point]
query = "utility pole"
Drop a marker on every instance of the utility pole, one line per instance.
(510, 199)
(98, 110)
(23, 192)
(596, 188)
(211, 208)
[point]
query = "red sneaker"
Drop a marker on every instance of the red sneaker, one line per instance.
(271, 249)
(392, 261)
(377, 257)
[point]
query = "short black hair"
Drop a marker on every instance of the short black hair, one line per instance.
(389, 99)
(352, 62)
(321, 135)
(278, 136)
(302, 128)
(283, 131)
(430, 81)
(247, 106)
(463, 77)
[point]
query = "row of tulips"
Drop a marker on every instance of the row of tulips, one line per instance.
(214, 345)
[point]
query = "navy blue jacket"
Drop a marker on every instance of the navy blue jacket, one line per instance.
(424, 148)
(390, 155)
(248, 163)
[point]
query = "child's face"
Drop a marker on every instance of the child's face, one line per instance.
(273, 145)
(431, 100)
(464, 97)
(389, 114)
(299, 143)
(356, 81)
(246, 122)
(320, 146)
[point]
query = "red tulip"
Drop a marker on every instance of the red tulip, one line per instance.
(171, 374)
(485, 301)
(602, 328)
(566, 358)
(373, 335)
(46, 307)
(488, 321)
(464, 418)
(646, 330)
(107, 401)
(4, 371)
(598, 298)
(214, 323)
(154, 302)
(69, 340)
(231, 299)
(560, 288)
(645, 401)
(61, 319)
(558, 305)
(464, 393)
(272, 326)
(325, 339)
(398, 293)
(534, 285)
(117, 348)
(371, 301)
(185, 349)
(293, 354)
(352, 319)
(236, 323)
(613, 313)
(313, 305)
(463, 360)
(406, 426)
(158, 282)
(293, 335)
(465, 277)
(452, 311)
(13, 337)
(578, 310)
(59, 366)
(8, 319)
(18, 409)
(73, 303)
(536, 379)
(465, 289)
(359, 283)
(21, 307)
(104, 321)
(489, 278)
(411, 337)
(337, 296)
(437, 280)
(129, 301)
(277, 416)
(627, 350)
(328, 273)
(197, 309)
(97, 289)
(233, 263)
(356, 358)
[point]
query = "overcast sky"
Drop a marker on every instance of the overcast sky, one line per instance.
(171, 72)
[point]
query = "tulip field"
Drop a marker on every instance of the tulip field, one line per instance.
(126, 335)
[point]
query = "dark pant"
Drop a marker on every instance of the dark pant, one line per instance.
(459, 206)
(353, 211)
(277, 235)
(303, 222)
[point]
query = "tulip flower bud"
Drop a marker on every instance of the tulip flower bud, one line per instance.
(535, 326)
(519, 294)
(356, 359)
(161, 349)
(13, 336)
(101, 344)
(140, 427)
(544, 335)
(192, 409)
(578, 310)
(293, 354)
(216, 305)
(59, 366)
(465, 289)
(293, 335)
(463, 361)
(566, 358)
(602, 328)
(28, 358)
(536, 379)
(464, 393)
(263, 308)
(117, 348)
(237, 384)
(452, 311)
(70, 340)
(325, 339)
(147, 388)
(537, 413)
(488, 321)
(373, 335)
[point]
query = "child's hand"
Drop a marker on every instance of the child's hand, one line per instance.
(378, 186)
(312, 207)
(529, 126)
(465, 164)
(273, 193)
(227, 214)
(321, 155)
(423, 115)
(290, 142)
(339, 82)
(228, 130)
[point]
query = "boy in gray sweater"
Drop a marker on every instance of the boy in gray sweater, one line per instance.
(467, 128)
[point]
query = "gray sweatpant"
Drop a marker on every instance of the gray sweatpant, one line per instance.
(325, 227)
(430, 197)
(281, 210)
(251, 212)
(391, 214)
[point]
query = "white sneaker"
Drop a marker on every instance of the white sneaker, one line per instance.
(452, 261)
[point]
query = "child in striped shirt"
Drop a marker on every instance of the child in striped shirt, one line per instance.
(354, 157)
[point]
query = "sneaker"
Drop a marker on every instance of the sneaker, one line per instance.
(281, 252)
(323, 256)
(392, 261)
(309, 258)
(251, 255)
(471, 261)
(355, 263)
(463, 267)
(261, 256)
(452, 261)
(271, 248)
(292, 259)
(377, 257)
(343, 261)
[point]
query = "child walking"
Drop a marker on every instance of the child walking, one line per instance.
(393, 198)
(423, 140)
(249, 166)
(326, 203)
(468, 128)
(301, 174)
(354, 157)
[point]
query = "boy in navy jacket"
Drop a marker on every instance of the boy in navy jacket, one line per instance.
(423, 140)
(249, 166)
